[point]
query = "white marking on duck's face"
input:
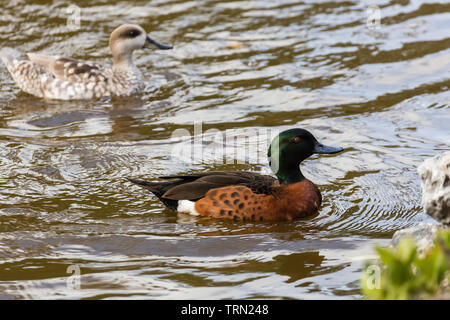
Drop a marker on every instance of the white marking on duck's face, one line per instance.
(186, 206)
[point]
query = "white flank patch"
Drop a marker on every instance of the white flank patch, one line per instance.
(186, 206)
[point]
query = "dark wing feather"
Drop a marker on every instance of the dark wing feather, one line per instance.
(223, 180)
(194, 176)
(72, 70)
(190, 191)
(195, 186)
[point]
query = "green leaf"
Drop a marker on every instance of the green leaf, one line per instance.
(403, 274)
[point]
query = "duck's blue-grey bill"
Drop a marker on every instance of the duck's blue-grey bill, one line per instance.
(158, 45)
(321, 149)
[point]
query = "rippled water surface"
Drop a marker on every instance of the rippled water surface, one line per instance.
(382, 94)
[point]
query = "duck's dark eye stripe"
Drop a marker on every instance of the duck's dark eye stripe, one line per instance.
(130, 34)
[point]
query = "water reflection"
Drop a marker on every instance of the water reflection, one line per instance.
(236, 66)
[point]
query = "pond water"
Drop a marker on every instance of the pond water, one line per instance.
(240, 67)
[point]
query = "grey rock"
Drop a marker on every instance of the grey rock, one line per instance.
(422, 234)
(435, 174)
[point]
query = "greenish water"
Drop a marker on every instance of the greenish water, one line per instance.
(382, 94)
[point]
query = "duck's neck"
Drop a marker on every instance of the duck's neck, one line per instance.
(287, 172)
(290, 176)
(123, 62)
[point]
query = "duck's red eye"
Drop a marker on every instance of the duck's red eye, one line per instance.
(297, 139)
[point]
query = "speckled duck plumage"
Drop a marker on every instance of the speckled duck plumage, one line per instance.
(54, 77)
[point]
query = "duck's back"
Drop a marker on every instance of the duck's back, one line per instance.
(193, 187)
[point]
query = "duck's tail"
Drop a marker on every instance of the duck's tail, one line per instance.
(9, 56)
(157, 188)
(26, 74)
